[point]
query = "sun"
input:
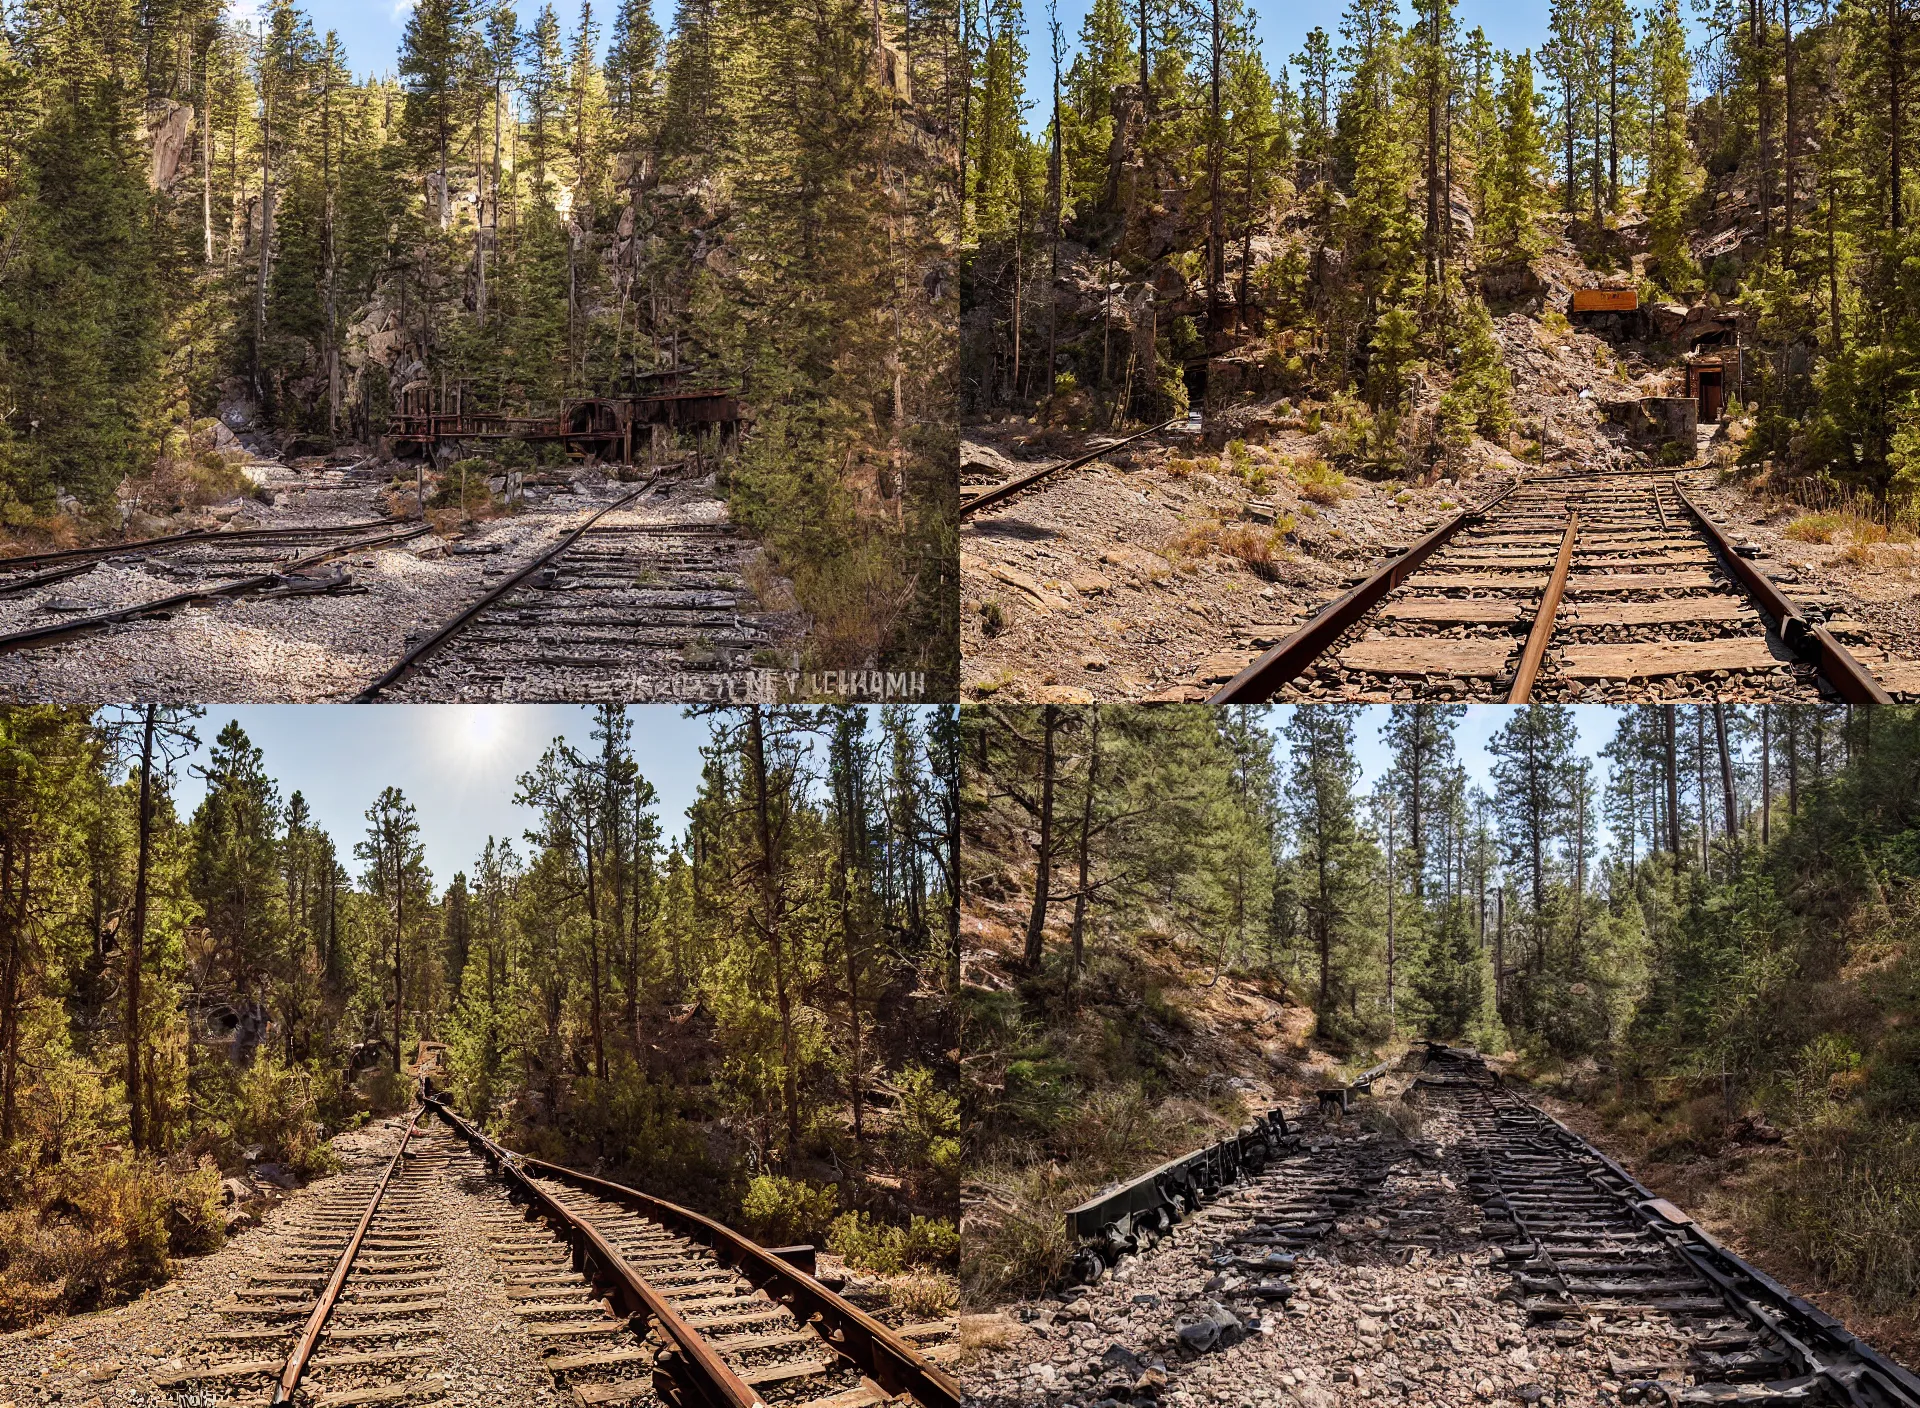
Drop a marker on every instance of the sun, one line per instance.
(482, 726)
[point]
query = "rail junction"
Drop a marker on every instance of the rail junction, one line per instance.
(626, 1298)
(1588, 1267)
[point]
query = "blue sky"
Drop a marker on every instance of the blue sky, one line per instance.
(370, 30)
(456, 762)
(1595, 724)
(1282, 27)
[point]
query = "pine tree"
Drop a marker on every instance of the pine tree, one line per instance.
(436, 62)
(1670, 178)
(1513, 188)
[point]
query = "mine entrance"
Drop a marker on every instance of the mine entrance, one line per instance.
(1710, 393)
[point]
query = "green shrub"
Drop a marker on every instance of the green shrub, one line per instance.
(928, 1137)
(869, 1245)
(778, 1211)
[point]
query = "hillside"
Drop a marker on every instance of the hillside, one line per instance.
(1730, 1013)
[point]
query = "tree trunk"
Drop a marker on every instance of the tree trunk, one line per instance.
(1043, 877)
(1766, 769)
(594, 966)
(772, 927)
(206, 154)
(136, 939)
(399, 928)
(1895, 39)
(1793, 760)
(1726, 770)
(1669, 731)
(1085, 843)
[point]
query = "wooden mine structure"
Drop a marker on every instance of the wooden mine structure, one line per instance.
(651, 407)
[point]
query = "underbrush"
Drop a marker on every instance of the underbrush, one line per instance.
(1319, 482)
(862, 1242)
(79, 1237)
(193, 470)
(1096, 1091)
(1848, 1207)
(781, 1211)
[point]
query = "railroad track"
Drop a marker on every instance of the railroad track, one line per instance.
(1585, 1242)
(1596, 586)
(628, 596)
(348, 1308)
(205, 567)
(1584, 1257)
(994, 495)
(668, 1303)
(624, 1298)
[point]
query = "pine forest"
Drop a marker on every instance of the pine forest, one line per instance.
(1348, 216)
(747, 1014)
(221, 243)
(1692, 927)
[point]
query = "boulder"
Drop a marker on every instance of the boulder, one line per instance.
(170, 129)
(1518, 282)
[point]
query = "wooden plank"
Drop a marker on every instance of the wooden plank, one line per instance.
(557, 1329)
(737, 1343)
(1595, 560)
(1412, 655)
(1605, 300)
(225, 1369)
(1638, 581)
(1442, 581)
(1656, 613)
(602, 1360)
(1650, 659)
(371, 1356)
(1456, 609)
(392, 1393)
(561, 1307)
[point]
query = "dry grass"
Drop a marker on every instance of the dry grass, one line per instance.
(1261, 549)
(1814, 528)
(1319, 482)
(74, 1240)
(1849, 1207)
(979, 1333)
(924, 1295)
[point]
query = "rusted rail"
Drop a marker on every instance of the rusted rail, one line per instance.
(1847, 675)
(988, 498)
(302, 1351)
(1542, 631)
(58, 631)
(405, 665)
(690, 1373)
(197, 535)
(1263, 678)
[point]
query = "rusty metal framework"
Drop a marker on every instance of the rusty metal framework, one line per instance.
(607, 427)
